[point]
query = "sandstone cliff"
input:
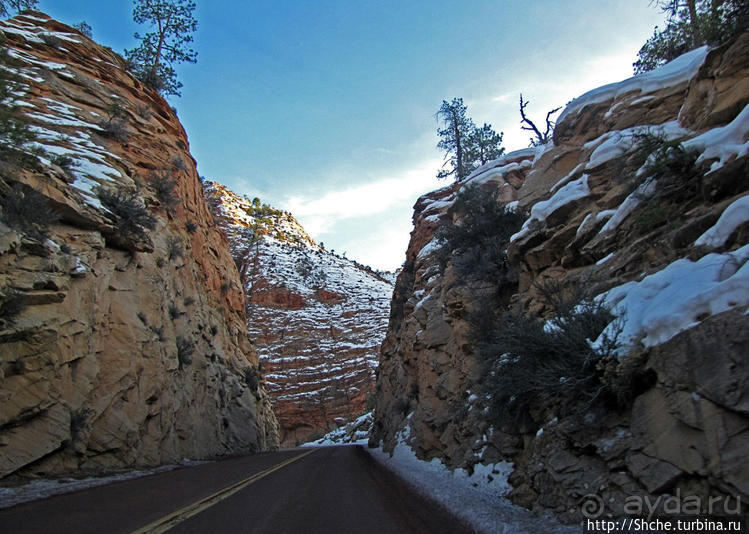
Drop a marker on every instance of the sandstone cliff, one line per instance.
(640, 205)
(130, 347)
(317, 319)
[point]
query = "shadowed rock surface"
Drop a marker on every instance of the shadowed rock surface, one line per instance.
(132, 348)
(655, 229)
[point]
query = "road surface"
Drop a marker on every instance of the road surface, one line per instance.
(318, 490)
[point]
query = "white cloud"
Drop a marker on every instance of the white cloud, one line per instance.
(365, 199)
(370, 221)
(546, 87)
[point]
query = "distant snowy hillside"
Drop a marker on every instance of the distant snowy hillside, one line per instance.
(317, 319)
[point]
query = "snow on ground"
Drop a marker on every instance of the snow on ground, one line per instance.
(342, 334)
(613, 144)
(643, 192)
(541, 210)
(43, 488)
(732, 217)
(354, 433)
(478, 499)
(61, 128)
(679, 70)
(678, 297)
(723, 143)
(495, 169)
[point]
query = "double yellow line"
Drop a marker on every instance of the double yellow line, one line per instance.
(173, 519)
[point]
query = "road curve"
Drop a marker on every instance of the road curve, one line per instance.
(322, 490)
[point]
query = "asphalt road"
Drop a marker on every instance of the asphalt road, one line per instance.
(320, 490)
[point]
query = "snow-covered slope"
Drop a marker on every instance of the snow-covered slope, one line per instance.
(318, 319)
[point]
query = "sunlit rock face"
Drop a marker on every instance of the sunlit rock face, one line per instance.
(317, 318)
(641, 201)
(131, 347)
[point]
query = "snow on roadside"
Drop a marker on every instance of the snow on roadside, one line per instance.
(41, 489)
(354, 433)
(479, 500)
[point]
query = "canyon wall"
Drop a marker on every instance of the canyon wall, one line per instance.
(122, 338)
(636, 217)
(317, 318)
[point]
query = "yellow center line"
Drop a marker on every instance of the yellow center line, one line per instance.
(173, 519)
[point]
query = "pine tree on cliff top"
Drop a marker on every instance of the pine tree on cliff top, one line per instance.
(8, 6)
(467, 147)
(454, 138)
(484, 144)
(691, 24)
(173, 24)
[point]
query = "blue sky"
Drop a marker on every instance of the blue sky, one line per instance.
(326, 107)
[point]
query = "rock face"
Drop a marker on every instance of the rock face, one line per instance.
(317, 319)
(130, 349)
(641, 200)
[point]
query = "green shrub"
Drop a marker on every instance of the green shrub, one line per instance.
(63, 161)
(27, 211)
(174, 311)
(144, 111)
(15, 132)
(132, 217)
(174, 247)
(191, 227)
(716, 22)
(51, 40)
(12, 304)
(178, 164)
(159, 331)
(79, 421)
(85, 29)
(164, 187)
(527, 359)
(658, 213)
(480, 237)
(185, 349)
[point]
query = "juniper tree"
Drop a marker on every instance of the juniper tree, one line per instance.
(454, 138)
(153, 60)
(7, 6)
(14, 128)
(484, 144)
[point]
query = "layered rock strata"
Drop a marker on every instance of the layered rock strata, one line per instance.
(317, 319)
(130, 348)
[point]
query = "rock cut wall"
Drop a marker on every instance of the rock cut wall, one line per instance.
(131, 348)
(317, 319)
(641, 200)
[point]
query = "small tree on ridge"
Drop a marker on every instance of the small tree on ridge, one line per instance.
(454, 138)
(173, 25)
(484, 144)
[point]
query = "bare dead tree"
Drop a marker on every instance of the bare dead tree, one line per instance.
(527, 124)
